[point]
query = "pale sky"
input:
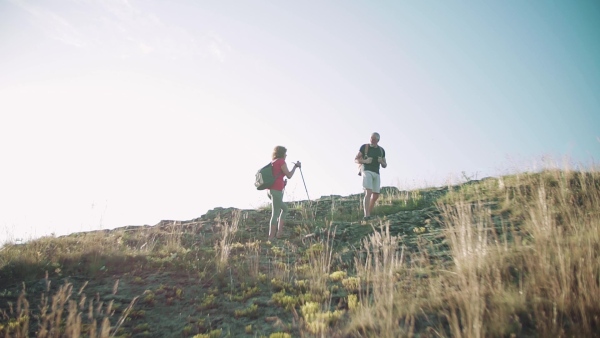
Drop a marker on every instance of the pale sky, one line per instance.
(126, 112)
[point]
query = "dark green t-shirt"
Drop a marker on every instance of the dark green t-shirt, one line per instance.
(375, 153)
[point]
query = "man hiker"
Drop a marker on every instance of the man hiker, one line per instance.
(370, 157)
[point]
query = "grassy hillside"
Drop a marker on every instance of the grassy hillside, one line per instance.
(510, 256)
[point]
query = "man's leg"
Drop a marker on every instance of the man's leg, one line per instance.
(368, 187)
(375, 192)
(374, 198)
(367, 202)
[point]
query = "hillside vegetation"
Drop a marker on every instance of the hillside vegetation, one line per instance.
(515, 256)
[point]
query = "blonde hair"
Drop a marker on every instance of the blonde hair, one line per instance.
(279, 152)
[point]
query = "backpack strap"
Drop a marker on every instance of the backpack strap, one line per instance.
(365, 155)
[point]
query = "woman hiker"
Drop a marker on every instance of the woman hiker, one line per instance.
(275, 193)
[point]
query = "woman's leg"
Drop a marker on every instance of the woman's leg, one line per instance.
(282, 216)
(276, 197)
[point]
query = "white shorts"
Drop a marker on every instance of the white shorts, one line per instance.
(371, 181)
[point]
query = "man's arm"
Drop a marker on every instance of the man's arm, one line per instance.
(359, 158)
(382, 160)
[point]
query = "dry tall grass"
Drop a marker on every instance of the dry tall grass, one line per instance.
(379, 264)
(54, 322)
(531, 266)
(523, 260)
(223, 246)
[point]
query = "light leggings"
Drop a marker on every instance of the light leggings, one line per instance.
(278, 208)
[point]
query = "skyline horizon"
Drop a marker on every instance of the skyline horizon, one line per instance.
(456, 180)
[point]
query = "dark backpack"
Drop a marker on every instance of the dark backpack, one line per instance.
(264, 177)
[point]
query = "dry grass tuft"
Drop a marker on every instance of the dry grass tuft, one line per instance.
(52, 321)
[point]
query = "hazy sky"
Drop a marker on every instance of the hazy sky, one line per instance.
(126, 112)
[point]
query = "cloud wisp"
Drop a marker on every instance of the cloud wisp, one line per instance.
(121, 29)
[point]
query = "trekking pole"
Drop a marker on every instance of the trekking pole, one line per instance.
(303, 182)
